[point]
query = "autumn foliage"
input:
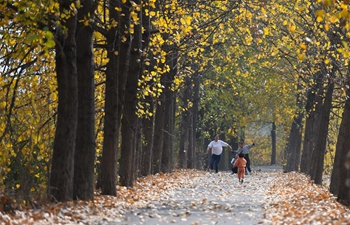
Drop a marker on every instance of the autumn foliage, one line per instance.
(161, 78)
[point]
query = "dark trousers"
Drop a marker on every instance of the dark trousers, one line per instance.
(215, 159)
(246, 156)
(234, 169)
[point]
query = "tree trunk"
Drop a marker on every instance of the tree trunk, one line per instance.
(129, 129)
(168, 142)
(190, 150)
(158, 135)
(147, 142)
(317, 162)
(62, 170)
(172, 130)
(187, 97)
(185, 125)
(129, 122)
(110, 130)
(313, 112)
(138, 152)
(166, 151)
(196, 101)
(294, 144)
(339, 172)
(273, 143)
(225, 159)
(83, 186)
(116, 73)
(147, 123)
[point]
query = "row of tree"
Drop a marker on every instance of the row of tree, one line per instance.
(108, 91)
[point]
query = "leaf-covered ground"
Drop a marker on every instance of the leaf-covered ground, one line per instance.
(295, 199)
(197, 197)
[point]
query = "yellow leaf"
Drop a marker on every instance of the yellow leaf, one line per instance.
(292, 28)
(334, 19)
(344, 13)
(134, 16)
(326, 26)
(300, 57)
(303, 46)
(266, 31)
(320, 13)
(319, 19)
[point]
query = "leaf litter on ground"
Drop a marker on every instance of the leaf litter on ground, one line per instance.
(177, 197)
(295, 199)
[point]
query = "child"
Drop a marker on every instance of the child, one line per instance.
(240, 163)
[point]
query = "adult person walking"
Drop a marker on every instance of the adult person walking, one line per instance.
(216, 150)
(245, 150)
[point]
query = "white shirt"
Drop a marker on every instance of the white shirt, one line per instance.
(216, 146)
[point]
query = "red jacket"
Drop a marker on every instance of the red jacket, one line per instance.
(240, 162)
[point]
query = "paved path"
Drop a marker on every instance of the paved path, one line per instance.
(209, 199)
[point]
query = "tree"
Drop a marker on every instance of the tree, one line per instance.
(85, 137)
(169, 118)
(294, 143)
(62, 171)
(127, 171)
(339, 173)
(116, 76)
(158, 134)
(317, 162)
(295, 138)
(273, 143)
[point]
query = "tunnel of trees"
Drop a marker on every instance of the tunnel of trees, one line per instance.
(99, 92)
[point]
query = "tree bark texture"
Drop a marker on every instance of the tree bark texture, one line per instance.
(147, 142)
(317, 161)
(273, 144)
(168, 143)
(158, 135)
(312, 124)
(340, 172)
(185, 125)
(62, 170)
(127, 170)
(196, 102)
(83, 186)
(116, 72)
(294, 144)
(147, 123)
